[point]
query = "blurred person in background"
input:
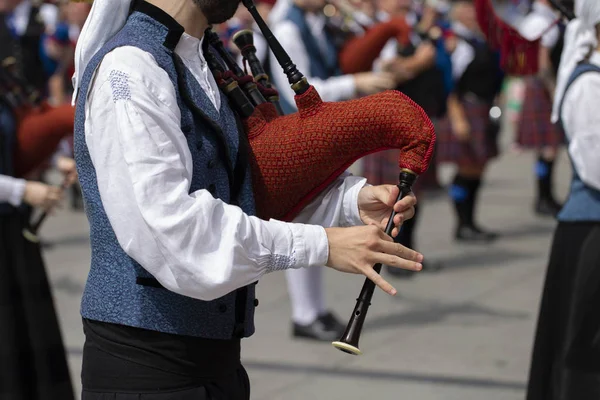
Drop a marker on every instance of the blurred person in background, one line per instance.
(33, 364)
(535, 131)
(467, 137)
(565, 363)
(420, 67)
(303, 34)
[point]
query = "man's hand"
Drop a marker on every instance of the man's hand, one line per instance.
(356, 250)
(373, 82)
(375, 205)
(68, 168)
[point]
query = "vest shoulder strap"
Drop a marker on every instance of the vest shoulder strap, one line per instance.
(580, 70)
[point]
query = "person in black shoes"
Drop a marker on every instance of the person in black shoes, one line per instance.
(535, 130)
(467, 137)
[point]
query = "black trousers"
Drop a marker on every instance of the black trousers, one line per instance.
(566, 355)
(126, 363)
(233, 387)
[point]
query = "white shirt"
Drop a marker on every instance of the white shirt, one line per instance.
(48, 14)
(11, 190)
(464, 53)
(193, 244)
(332, 89)
(581, 120)
(541, 21)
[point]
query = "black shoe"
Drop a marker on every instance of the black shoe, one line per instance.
(547, 207)
(473, 234)
(325, 328)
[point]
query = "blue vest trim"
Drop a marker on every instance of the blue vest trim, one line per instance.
(583, 203)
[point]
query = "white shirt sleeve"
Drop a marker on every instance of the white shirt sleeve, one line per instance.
(461, 57)
(191, 243)
(337, 205)
(11, 190)
(535, 25)
(582, 125)
(333, 89)
(389, 52)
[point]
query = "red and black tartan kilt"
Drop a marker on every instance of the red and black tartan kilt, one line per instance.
(33, 364)
(535, 130)
(479, 149)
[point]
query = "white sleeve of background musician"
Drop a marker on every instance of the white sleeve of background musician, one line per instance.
(11, 190)
(192, 243)
(336, 88)
(582, 126)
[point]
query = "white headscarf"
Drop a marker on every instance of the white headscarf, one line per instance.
(580, 38)
(106, 18)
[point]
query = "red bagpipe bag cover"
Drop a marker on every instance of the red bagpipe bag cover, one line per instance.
(295, 157)
(518, 56)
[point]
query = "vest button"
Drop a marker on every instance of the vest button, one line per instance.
(256, 302)
(212, 188)
(222, 308)
(212, 163)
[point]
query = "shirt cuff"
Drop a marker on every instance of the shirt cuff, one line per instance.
(18, 190)
(350, 201)
(310, 245)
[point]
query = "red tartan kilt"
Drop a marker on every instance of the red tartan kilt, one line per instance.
(479, 149)
(534, 129)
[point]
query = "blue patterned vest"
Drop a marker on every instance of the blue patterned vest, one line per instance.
(118, 289)
(583, 203)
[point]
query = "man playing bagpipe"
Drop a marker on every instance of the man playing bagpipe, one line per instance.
(172, 192)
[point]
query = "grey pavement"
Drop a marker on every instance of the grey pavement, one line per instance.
(463, 333)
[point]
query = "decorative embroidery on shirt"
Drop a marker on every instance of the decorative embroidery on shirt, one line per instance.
(119, 83)
(280, 262)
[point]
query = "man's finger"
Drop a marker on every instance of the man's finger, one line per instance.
(379, 281)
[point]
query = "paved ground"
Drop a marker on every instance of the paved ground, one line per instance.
(464, 333)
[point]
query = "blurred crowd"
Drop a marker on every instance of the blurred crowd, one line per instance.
(434, 51)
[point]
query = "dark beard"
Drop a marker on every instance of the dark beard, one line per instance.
(217, 11)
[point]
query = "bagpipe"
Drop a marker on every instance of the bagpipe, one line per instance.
(518, 55)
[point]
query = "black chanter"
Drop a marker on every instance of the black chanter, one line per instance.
(349, 341)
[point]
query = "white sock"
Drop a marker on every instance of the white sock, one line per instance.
(305, 286)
